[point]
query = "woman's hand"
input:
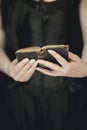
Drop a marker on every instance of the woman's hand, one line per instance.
(75, 68)
(23, 70)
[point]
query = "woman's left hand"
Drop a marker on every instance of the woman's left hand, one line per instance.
(75, 68)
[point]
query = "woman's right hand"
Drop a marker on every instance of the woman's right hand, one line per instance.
(23, 70)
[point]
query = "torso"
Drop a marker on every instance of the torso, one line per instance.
(35, 31)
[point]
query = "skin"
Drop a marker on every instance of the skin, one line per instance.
(2, 35)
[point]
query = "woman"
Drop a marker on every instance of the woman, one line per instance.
(38, 101)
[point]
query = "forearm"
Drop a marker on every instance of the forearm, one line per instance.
(83, 21)
(4, 62)
(2, 34)
(84, 53)
(2, 38)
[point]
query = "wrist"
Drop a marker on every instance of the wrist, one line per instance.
(85, 67)
(6, 68)
(4, 62)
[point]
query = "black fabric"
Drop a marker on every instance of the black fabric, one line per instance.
(43, 102)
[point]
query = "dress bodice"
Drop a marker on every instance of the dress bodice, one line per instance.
(16, 13)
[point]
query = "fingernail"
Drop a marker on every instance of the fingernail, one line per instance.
(36, 63)
(26, 59)
(50, 51)
(32, 60)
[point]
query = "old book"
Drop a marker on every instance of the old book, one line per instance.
(36, 52)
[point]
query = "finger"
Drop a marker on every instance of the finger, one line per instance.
(33, 68)
(14, 62)
(24, 70)
(45, 71)
(49, 72)
(73, 56)
(30, 72)
(21, 64)
(58, 57)
(49, 65)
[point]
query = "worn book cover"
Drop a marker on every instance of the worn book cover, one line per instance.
(36, 52)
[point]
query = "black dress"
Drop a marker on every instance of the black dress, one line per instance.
(42, 102)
